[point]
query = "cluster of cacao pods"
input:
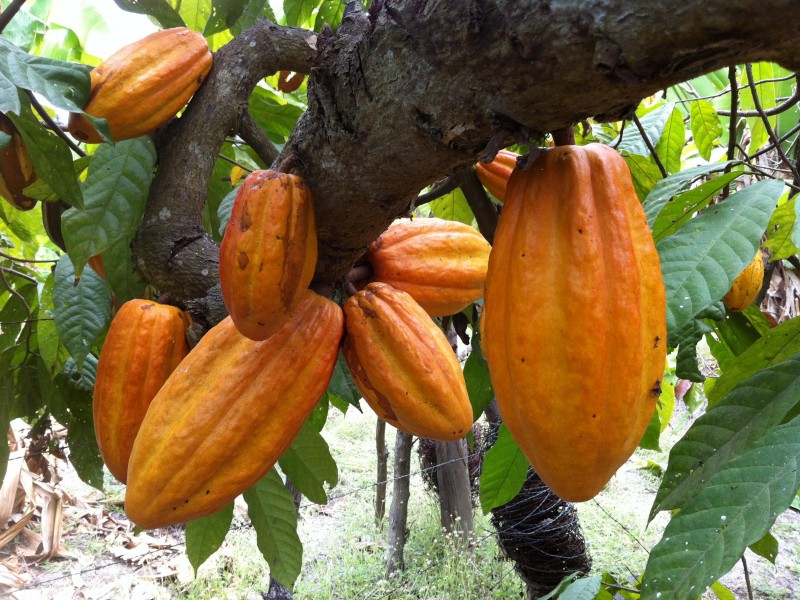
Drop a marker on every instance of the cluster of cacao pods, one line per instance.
(16, 168)
(143, 85)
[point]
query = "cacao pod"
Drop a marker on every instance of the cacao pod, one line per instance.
(142, 86)
(289, 82)
(441, 264)
(494, 175)
(145, 343)
(228, 412)
(96, 262)
(746, 286)
(16, 168)
(403, 364)
(574, 319)
(268, 252)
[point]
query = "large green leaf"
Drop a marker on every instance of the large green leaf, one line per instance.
(330, 13)
(727, 430)
(160, 10)
(80, 311)
(276, 119)
(653, 124)
(706, 126)
(735, 508)
(309, 465)
(115, 194)
(205, 535)
(65, 85)
(476, 375)
(701, 261)
(272, 512)
(298, 12)
(673, 139)
(195, 13)
(775, 347)
(503, 473)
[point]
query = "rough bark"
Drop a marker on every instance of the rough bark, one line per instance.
(383, 460)
(455, 499)
(408, 93)
(398, 514)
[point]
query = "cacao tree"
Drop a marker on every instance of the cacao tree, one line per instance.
(401, 99)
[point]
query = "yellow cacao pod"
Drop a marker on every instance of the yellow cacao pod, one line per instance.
(228, 412)
(145, 343)
(403, 364)
(746, 286)
(441, 264)
(574, 317)
(142, 86)
(494, 175)
(16, 168)
(268, 252)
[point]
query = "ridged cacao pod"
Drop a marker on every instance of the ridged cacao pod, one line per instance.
(16, 168)
(574, 319)
(746, 286)
(494, 175)
(142, 86)
(228, 412)
(145, 343)
(403, 364)
(268, 252)
(441, 264)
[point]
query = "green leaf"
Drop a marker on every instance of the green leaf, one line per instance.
(652, 435)
(767, 547)
(330, 13)
(562, 585)
(298, 12)
(224, 210)
(726, 431)
(276, 119)
(653, 124)
(272, 512)
(204, 536)
(476, 375)
(504, 471)
(644, 172)
(115, 194)
(122, 276)
(65, 85)
(452, 207)
(772, 349)
(309, 465)
(41, 190)
(783, 231)
(686, 360)
(342, 385)
(53, 353)
(254, 10)
(81, 311)
(675, 184)
(224, 14)
(160, 10)
(582, 589)
(706, 126)
(721, 592)
(673, 139)
(736, 507)
(5, 422)
(701, 261)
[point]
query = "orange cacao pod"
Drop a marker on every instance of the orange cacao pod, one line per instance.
(142, 86)
(403, 364)
(228, 412)
(96, 262)
(574, 317)
(16, 168)
(494, 175)
(441, 264)
(268, 253)
(746, 286)
(145, 343)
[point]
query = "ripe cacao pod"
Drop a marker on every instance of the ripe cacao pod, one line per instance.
(228, 412)
(403, 364)
(441, 264)
(16, 168)
(142, 86)
(268, 252)
(145, 343)
(746, 286)
(574, 319)
(494, 175)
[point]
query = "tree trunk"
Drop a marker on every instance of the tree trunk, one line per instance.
(398, 515)
(455, 499)
(383, 461)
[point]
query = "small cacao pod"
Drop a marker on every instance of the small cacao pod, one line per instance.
(142, 86)
(96, 262)
(268, 252)
(145, 343)
(403, 364)
(16, 168)
(494, 175)
(228, 412)
(746, 286)
(441, 264)
(574, 322)
(289, 82)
